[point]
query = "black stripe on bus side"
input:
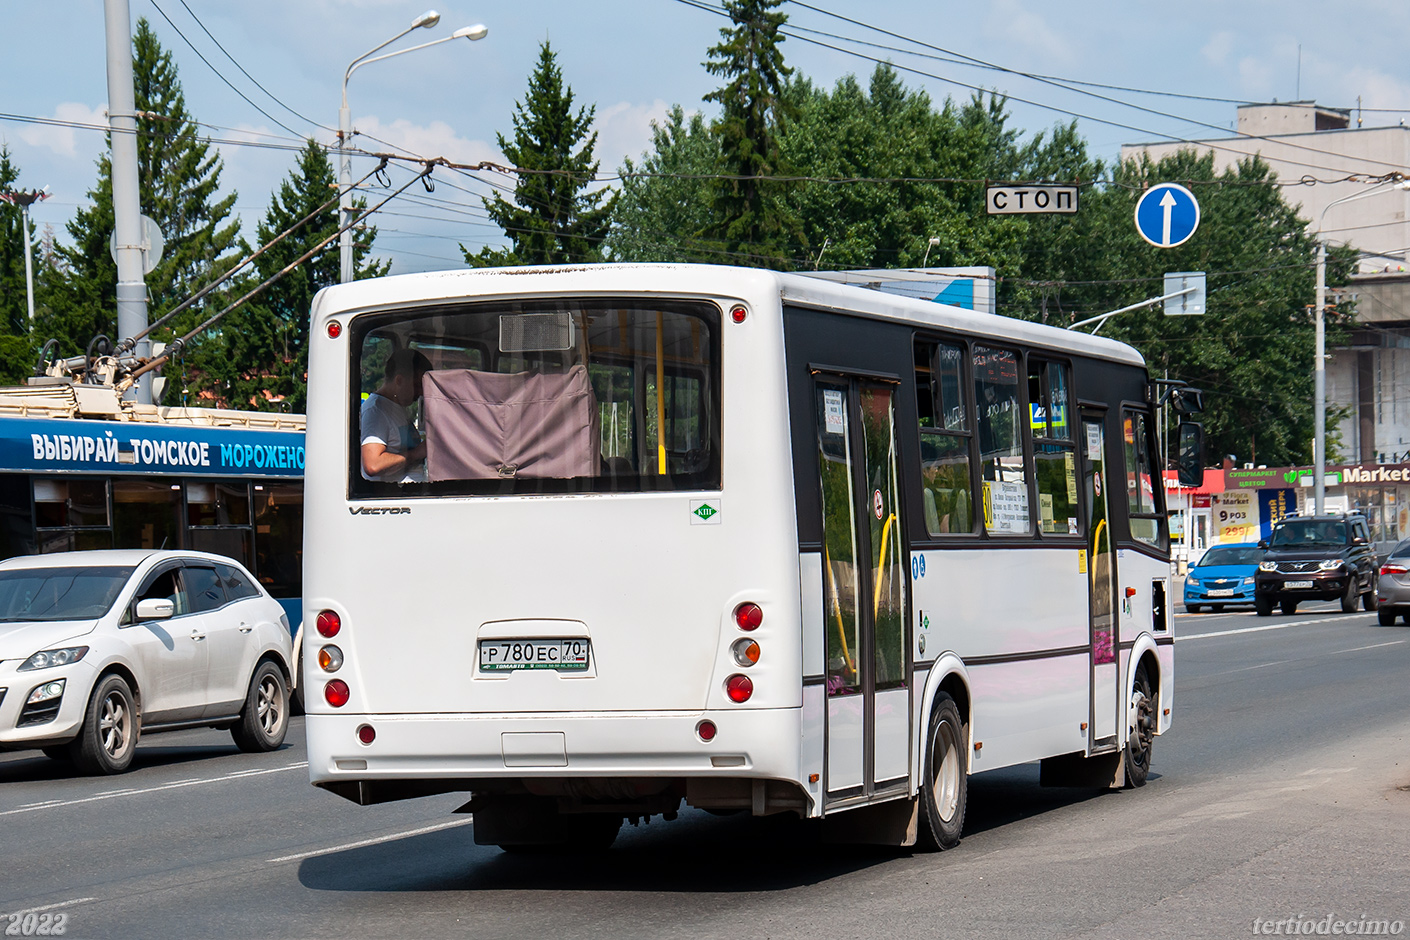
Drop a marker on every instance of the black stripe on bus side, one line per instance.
(813, 680)
(1024, 657)
(1165, 641)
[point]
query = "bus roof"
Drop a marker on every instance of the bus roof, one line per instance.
(701, 280)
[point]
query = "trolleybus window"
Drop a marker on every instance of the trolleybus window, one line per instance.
(947, 494)
(552, 396)
(1001, 464)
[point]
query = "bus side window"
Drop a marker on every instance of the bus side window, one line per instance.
(946, 491)
(1054, 453)
(1002, 468)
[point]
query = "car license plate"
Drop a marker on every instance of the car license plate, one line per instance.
(1222, 592)
(565, 655)
(1297, 584)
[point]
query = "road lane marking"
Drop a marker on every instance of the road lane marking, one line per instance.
(365, 842)
(1375, 646)
(226, 778)
(1270, 626)
(50, 907)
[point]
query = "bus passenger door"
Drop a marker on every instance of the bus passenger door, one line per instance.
(1101, 587)
(864, 589)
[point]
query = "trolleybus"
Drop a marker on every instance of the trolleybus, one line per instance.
(724, 538)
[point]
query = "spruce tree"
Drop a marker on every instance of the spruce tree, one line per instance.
(258, 357)
(753, 220)
(553, 218)
(179, 182)
(16, 352)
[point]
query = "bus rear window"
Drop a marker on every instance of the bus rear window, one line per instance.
(536, 397)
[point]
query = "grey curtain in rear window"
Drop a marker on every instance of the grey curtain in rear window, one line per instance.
(487, 425)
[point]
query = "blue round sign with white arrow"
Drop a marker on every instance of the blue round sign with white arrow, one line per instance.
(1167, 215)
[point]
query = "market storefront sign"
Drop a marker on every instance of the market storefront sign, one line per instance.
(76, 446)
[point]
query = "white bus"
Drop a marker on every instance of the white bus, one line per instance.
(726, 538)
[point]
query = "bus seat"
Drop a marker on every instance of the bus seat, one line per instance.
(494, 425)
(932, 515)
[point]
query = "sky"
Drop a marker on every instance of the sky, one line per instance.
(633, 59)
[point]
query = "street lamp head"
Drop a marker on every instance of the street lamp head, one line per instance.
(472, 33)
(428, 19)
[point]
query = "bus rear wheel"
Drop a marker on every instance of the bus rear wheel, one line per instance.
(1140, 730)
(946, 781)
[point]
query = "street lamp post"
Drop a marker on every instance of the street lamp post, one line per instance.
(1319, 368)
(426, 20)
(24, 200)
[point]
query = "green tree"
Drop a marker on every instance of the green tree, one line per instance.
(257, 357)
(752, 215)
(179, 180)
(1252, 349)
(666, 203)
(16, 351)
(553, 219)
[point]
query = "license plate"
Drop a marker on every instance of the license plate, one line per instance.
(505, 655)
(1297, 584)
(1222, 592)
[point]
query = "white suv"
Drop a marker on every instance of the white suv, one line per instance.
(98, 648)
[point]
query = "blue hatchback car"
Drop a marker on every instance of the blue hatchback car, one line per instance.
(1223, 577)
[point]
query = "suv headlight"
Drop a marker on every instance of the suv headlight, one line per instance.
(1330, 564)
(1267, 566)
(46, 659)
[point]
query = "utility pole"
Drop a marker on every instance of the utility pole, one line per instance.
(24, 199)
(127, 206)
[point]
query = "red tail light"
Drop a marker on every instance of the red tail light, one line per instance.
(739, 688)
(337, 693)
(366, 734)
(748, 616)
(328, 623)
(1394, 569)
(706, 729)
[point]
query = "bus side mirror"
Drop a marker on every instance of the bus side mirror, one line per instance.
(1191, 460)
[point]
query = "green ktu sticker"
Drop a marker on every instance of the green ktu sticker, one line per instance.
(705, 512)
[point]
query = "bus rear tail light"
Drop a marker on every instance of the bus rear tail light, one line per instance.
(746, 652)
(707, 730)
(748, 616)
(330, 658)
(328, 623)
(739, 688)
(1394, 569)
(337, 693)
(366, 734)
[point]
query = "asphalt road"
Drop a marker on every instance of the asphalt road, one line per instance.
(1282, 791)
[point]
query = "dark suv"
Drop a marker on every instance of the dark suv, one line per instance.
(1318, 558)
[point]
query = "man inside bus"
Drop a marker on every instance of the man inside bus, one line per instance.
(392, 451)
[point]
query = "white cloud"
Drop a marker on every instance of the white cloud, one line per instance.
(437, 139)
(64, 140)
(1216, 51)
(1021, 28)
(624, 130)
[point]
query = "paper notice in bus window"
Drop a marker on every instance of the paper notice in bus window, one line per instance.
(834, 419)
(1007, 505)
(1094, 442)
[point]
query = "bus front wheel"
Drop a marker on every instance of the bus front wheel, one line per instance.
(945, 787)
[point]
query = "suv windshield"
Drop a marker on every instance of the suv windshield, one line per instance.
(1231, 556)
(1298, 533)
(44, 594)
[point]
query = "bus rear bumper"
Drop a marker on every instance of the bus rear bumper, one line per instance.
(754, 743)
